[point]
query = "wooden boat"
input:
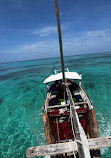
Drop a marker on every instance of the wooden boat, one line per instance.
(69, 117)
(69, 121)
(57, 113)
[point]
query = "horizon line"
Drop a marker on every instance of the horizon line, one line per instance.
(52, 57)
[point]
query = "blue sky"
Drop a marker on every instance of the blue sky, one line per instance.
(28, 28)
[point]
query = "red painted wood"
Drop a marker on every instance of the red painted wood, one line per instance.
(65, 129)
(83, 122)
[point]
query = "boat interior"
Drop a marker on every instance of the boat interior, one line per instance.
(58, 109)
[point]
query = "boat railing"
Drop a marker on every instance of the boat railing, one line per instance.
(89, 102)
(61, 70)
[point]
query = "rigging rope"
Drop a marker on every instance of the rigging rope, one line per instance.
(84, 144)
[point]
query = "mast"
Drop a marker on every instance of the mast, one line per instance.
(60, 38)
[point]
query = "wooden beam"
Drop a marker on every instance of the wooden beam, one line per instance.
(58, 106)
(95, 143)
(52, 149)
(79, 103)
(77, 129)
(67, 147)
(83, 151)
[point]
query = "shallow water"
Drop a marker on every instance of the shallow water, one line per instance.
(22, 98)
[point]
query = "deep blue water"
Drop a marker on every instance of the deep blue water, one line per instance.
(22, 99)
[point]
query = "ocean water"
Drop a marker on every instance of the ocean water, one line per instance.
(22, 98)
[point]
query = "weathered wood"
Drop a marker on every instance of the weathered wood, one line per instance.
(52, 149)
(77, 129)
(95, 143)
(59, 106)
(93, 124)
(93, 129)
(79, 103)
(48, 130)
(67, 147)
(83, 149)
(90, 106)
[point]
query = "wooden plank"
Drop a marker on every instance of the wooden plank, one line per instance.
(79, 103)
(48, 131)
(95, 143)
(52, 149)
(93, 124)
(60, 148)
(88, 99)
(93, 129)
(58, 106)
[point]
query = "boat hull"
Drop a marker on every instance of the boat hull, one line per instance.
(58, 123)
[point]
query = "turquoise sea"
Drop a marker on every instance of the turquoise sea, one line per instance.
(22, 99)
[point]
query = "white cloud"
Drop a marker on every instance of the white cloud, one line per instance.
(47, 30)
(85, 42)
(89, 42)
(98, 34)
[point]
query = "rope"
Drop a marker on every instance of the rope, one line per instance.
(73, 150)
(72, 124)
(71, 103)
(82, 143)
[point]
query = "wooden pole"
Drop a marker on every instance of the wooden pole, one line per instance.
(60, 38)
(77, 129)
(83, 149)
